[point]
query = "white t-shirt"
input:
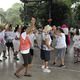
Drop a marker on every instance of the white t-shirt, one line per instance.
(10, 34)
(65, 30)
(61, 41)
(31, 37)
(74, 30)
(76, 40)
(24, 37)
(17, 34)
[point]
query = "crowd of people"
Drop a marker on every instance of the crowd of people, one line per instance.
(23, 40)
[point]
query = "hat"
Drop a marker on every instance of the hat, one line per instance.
(64, 26)
(47, 28)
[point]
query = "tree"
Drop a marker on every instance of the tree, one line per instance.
(2, 12)
(73, 1)
(68, 2)
(34, 10)
(77, 16)
(60, 12)
(13, 14)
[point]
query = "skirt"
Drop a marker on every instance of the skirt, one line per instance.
(9, 43)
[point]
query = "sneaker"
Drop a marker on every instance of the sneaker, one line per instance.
(54, 63)
(16, 58)
(47, 70)
(4, 57)
(0, 60)
(75, 61)
(62, 66)
(44, 67)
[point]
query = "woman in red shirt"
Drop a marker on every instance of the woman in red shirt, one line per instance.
(25, 48)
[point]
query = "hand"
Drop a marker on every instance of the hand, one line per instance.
(33, 20)
(52, 48)
(33, 28)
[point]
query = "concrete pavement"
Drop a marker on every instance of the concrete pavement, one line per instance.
(70, 72)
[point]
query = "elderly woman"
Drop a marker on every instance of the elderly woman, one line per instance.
(60, 47)
(46, 48)
(9, 35)
(25, 48)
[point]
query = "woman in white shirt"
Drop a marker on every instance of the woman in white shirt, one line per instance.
(25, 49)
(60, 46)
(9, 34)
(16, 42)
(76, 46)
(46, 48)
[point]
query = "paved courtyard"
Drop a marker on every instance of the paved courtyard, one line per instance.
(70, 72)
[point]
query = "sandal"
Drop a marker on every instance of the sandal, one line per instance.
(18, 76)
(28, 75)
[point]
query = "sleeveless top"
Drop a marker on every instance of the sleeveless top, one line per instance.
(43, 46)
(24, 43)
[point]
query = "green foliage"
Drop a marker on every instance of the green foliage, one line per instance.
(2, 12)
(36, 10)
(77, 16)
(68, 2)
(73, 1)
(60, 12)
(78, 12)
(12, 15)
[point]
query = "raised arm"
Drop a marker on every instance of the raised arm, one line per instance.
(30, 31)
(8, 27)
(57, 33)
(3, 26)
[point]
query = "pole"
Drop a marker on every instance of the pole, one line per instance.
(50, 4)
(24, 14)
